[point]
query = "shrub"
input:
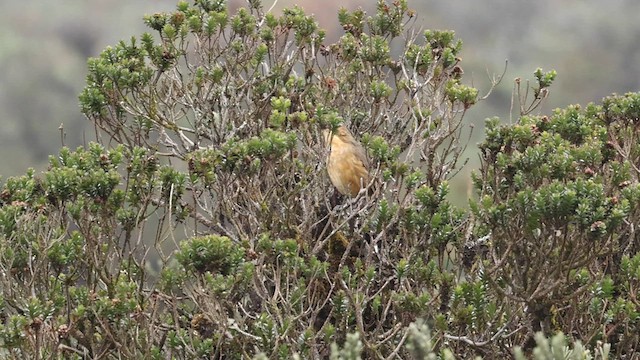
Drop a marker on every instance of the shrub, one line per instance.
(211, 229)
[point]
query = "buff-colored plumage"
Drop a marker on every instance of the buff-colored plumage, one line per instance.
(347, 164)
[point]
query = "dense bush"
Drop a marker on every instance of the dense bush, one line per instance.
(205, 226)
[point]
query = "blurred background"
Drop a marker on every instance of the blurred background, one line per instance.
(44, 46)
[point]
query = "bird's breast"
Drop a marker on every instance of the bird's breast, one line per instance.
(346, 171)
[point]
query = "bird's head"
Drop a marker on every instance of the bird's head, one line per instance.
(341, 134)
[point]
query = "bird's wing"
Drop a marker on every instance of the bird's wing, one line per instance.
(361, 156)
(359, 167)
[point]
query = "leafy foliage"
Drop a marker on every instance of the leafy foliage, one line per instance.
(211, 231)
(558, 204)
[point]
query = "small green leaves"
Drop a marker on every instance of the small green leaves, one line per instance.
(401, 268)
(271, 144)
(247, 154)
(419, 58)
(217, 20)
(305, 27)
(169, 31)
(557, 348)
(212, 5)
(117, 67)
(243, 23)
(380, 90)
(414, 178)
(463, 94)
(544, 79)
(379, 148)
(375, 49)
(352, 22)
(156, 21)
(215, 254)
(349, 47)
(278, 115)
(440, 39)
(385, 212)
(389, 18)
(624, 108)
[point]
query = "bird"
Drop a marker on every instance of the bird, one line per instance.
(347, 162)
